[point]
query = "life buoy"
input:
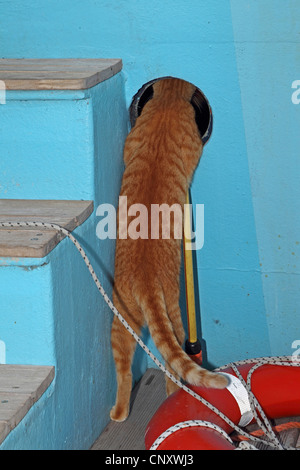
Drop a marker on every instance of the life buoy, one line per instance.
(276, 387)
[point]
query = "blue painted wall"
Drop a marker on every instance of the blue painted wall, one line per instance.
(244, 55)
(267, 67)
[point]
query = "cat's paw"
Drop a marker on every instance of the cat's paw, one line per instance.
(118, 414)
(215, 380)
(204, 378)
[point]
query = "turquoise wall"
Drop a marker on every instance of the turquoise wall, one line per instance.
(245, 56)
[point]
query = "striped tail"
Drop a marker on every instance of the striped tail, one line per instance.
(155, 312)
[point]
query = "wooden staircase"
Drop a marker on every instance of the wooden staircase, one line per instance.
(63, 127)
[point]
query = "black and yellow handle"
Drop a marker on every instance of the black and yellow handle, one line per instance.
(192, 345)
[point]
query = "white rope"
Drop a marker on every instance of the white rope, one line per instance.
(264, 424)
(244, 445)
(274, 442)
(188, 424)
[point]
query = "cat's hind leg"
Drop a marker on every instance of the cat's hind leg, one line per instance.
(175, 317)
(171, 293)
(123, 347)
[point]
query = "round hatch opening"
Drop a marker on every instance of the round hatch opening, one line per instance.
(203, 112)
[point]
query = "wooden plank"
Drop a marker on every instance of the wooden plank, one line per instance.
(70, 214)
(37, 243)
(25, 378)
(56, 74)
(20, 387)
(13, 407)
(57, 64)
(28, 243)
(4, 430)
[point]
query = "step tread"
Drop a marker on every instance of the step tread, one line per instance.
(37, 243)
(20, 387)
(56, 74)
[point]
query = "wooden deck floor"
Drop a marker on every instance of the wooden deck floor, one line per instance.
(146, 398)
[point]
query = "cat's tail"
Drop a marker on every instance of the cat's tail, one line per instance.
(155, 312)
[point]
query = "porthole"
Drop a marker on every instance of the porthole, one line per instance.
(203, 112)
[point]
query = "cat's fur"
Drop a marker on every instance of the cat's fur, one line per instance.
(161, 153)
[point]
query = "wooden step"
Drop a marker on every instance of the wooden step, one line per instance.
(37, 243)
(20, 387)
(56, 74)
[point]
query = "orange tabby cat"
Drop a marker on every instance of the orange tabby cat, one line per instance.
(161, 153)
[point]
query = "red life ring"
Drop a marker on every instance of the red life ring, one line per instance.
(277, 388)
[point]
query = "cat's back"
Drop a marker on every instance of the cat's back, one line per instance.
(161, 153)
(155, 148)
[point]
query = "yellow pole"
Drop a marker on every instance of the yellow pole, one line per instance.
(189, 275)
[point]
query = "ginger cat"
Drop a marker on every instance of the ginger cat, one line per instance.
(161, 153)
